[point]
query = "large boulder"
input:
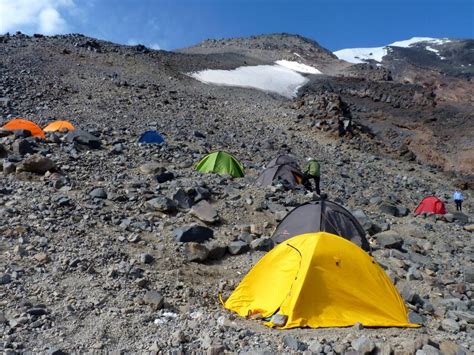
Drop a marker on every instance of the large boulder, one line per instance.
(36, 164)
(193, 233)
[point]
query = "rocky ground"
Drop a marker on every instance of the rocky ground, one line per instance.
(95, 232)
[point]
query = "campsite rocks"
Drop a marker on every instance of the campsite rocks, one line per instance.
(389, 239)
(193, 233)
(36, 164)
(205, 212)
(115, 263)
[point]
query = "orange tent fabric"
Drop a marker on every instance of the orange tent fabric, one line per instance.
(20, 123)
(59, 126)
(431, 204)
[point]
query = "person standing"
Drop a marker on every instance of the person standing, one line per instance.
(458, 198)
(312, 171)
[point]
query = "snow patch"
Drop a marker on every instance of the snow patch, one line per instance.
(283, 78)
(298, 67)
(362, 55)
(431, 49)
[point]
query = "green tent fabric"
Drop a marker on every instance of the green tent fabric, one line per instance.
(221, 163)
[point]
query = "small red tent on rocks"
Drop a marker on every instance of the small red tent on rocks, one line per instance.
(431, 204)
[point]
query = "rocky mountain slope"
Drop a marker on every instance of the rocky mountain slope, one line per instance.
(90, 236)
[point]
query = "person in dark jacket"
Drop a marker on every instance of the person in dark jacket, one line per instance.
(312, 171)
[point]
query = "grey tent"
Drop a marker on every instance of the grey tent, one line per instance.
(288, 173)
(324, 216)
(283, 160)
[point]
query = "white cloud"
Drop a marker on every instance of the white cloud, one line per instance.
(43, 16)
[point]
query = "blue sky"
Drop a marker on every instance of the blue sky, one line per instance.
(170, 24)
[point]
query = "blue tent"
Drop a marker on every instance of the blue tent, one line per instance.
(152, 137)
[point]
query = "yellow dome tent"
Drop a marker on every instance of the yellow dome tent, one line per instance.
(60, 126)
(319, 280)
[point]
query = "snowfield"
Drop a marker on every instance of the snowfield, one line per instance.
(283, 78)
(362, 55)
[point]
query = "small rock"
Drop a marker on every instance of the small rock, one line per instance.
(41, 257)
(205, 212)
(182, 199)
(216, 250)
(37, 164)
(389, 239)
(450, 348)
(193, 233)
(279, 320)
(262, 244)
(154, 299)
(22, 147)
(238, 247)
(146, 258)
(8, 167)
(196, 251)
(161, 204)
(5, 279)
(427, 350)
(415, 318)
(363, 345)
(450, 325)
(292, 343)
(98, 192)
(150, 168)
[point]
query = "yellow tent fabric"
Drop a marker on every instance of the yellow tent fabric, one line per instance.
(320, 280)
(59, 126)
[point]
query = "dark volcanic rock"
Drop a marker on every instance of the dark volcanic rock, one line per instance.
(193, 233)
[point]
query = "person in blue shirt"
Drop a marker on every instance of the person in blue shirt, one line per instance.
(458, 199)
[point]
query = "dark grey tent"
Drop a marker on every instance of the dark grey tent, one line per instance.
(283, 173)
(283, 160)
(321, 216)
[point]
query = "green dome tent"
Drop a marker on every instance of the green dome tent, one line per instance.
(221, 163)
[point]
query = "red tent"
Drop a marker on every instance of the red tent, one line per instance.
(431, 204)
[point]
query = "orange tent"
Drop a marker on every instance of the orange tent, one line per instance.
(20, 123)
(59, 126)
